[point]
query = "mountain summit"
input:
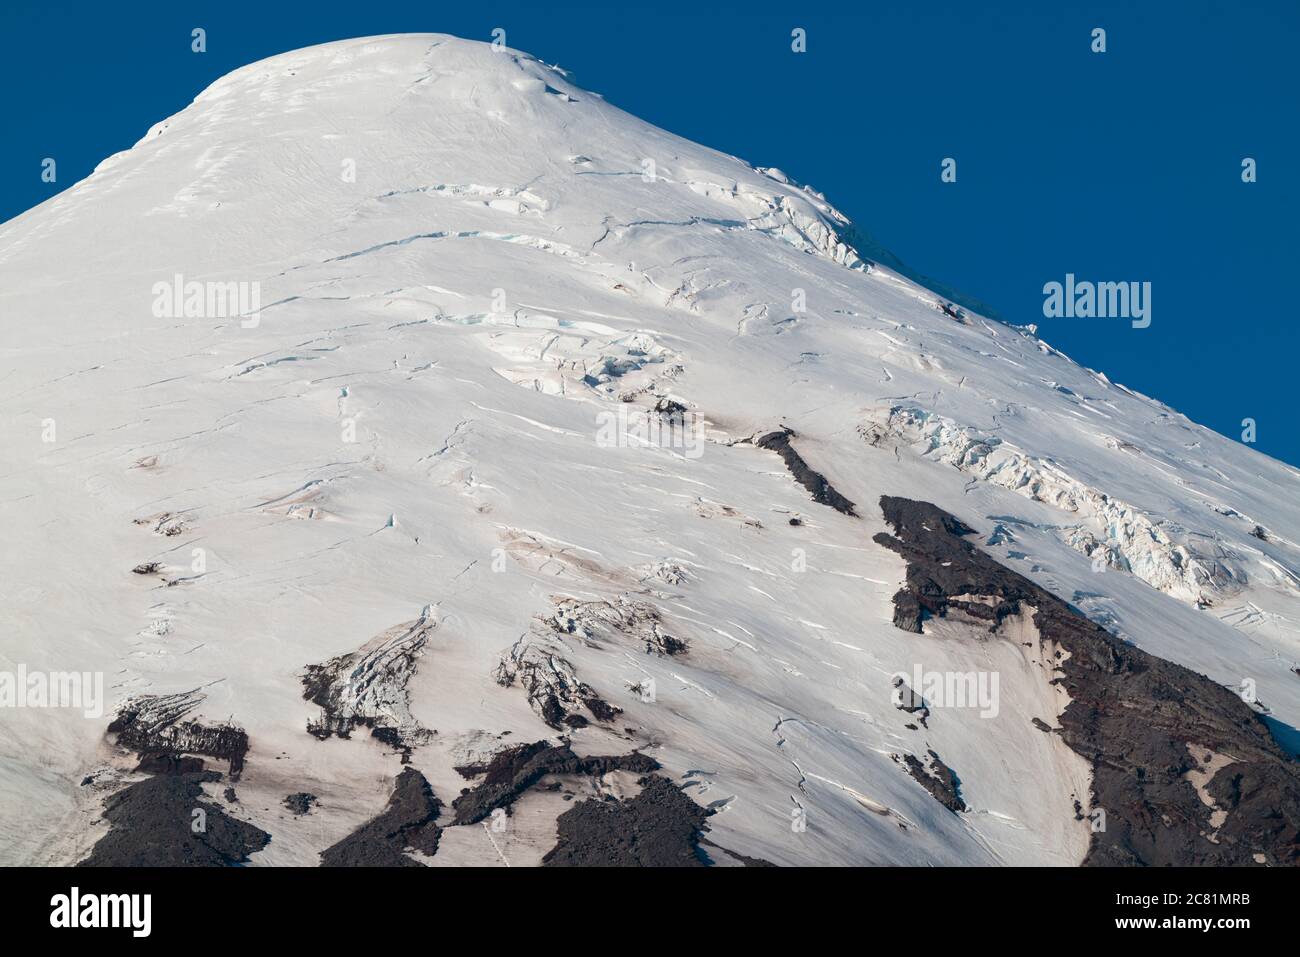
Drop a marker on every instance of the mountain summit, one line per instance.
(435, 464)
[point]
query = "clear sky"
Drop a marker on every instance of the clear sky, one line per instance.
(1115, 166)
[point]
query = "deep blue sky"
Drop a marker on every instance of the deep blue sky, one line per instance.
(1119, 166)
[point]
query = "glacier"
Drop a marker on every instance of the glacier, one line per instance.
(391, 475)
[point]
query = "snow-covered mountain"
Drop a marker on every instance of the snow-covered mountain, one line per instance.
(537, 423)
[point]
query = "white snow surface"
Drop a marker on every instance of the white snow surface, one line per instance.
(501, 272)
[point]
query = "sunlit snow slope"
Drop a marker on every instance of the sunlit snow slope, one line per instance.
(405, 453)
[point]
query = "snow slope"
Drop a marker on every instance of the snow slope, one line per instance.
(408, 442)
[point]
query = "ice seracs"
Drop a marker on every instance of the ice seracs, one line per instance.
(1113, 534)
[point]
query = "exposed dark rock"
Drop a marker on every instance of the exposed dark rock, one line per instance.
(407, 822)
(671, 410)
(513, 771)
(367, 688)
(385, 735)
(822, 491)
(620, 618)
(1041, 725)
(549, 680)
(155, 725)
(660, 827)
(300, 802)
(169, 764)
(1131, 715)
(146, 568)
(906, 699)
(167, 821)
(937, 778)
(744, 859)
